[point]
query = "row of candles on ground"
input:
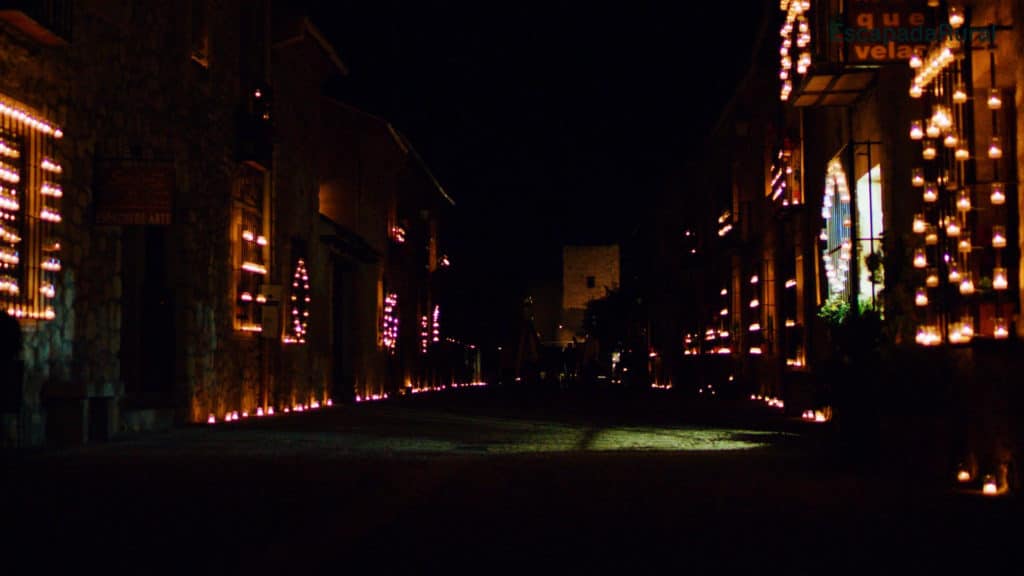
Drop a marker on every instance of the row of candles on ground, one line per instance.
(769, 400)
(989, 485)
(260, 412)
(442, 387)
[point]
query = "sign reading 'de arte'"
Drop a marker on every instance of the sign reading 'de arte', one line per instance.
(880, 31)
(134, 192)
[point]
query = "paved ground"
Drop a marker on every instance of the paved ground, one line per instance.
(492, 480)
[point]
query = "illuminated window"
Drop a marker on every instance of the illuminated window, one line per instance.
(869, 237)
(252, 249)
(837, 234)
(30, 193)
(389, 326)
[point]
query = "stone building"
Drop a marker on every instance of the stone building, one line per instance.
(868, 249)
(588, 273)
(163, 245)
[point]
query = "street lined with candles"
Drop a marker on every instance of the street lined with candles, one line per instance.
(455, 477)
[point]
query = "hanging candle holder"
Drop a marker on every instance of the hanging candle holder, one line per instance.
(998, 194)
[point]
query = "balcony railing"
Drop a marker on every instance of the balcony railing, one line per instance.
(48, 22)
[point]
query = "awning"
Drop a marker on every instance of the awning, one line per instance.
(833, 86)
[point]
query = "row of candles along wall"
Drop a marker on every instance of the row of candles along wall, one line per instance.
(235, 415)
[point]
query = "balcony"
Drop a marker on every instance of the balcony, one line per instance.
(255, 144)
(47, 22)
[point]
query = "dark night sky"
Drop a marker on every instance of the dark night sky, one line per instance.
(547, 122)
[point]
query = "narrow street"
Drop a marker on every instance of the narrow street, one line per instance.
(491, 479)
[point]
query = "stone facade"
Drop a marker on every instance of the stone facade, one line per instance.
(587, 273)
(147, 312)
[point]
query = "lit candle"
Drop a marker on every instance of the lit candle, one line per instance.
(915, 60)
(995, 149)
(966, 284)
(1000, 281)
(962, 153)
(956, 16)
(953, 229)
(1001, 331)
(917, 177)
(963, 201)
(964, 245)
(959, 94)
(916, 91)
(950, 141)
(989, 487)
(998, 196)
(928, 153)
(998, 237)
(921, 298)
(916, 131)
(920, 259)
(933, 130)
(931, 193)
(932, 279)
(995, 100)
(954, 273)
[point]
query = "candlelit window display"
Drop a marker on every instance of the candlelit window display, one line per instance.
(962, 292)
(297, 310)
(795, 46)
(870, 277)
(837, 234)
(252, 249)
(30, 193)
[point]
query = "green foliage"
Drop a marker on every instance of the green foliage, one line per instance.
(835, 312)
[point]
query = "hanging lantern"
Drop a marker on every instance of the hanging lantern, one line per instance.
(995, 148)
(956, 16)
(953, 229)
(998, 237)
(931, 193)
(995, 99)
(998, 196)
(928, 152)
(963, 201)
(1000, 281)
(921, 298)
(959, 94)
(915, 60)
(917, 177)
(966, 284)
(954, 273)
(919, 223)
(1001, 330)
(916, 131)
(920, 258)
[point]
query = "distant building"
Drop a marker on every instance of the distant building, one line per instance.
(588, 273)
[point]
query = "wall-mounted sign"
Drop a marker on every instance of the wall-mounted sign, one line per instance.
(134, 192)
(881, 31)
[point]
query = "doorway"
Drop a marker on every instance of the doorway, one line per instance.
(147, 319)
(343, 377)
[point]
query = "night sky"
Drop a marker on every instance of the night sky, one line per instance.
(549, 123)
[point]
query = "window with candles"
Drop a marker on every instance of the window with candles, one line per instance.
(30, 193)
(252, 248)
(297, 312)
